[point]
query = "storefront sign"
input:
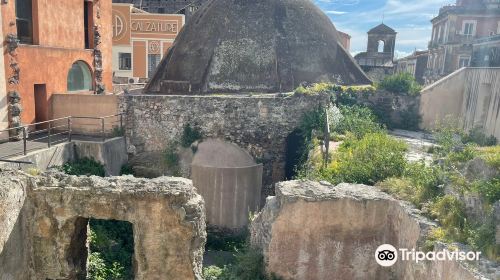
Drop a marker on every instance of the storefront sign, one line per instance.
(154, 26)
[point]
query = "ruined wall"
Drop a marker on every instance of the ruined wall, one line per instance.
(258, 124)
(43, 224)
(318, 231)
(14, 242)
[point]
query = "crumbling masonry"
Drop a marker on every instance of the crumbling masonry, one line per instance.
(43, 224)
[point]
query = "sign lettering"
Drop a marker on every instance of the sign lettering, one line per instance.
(154, 26)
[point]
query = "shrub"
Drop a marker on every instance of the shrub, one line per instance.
(84, 166)
(426, 181)
(248, 265)
(357, 120)
(403, 83)
(462, 154)
(126, 169)
(491, 155)
(225, 241)
(373, 158)
(190, 135)
(450, 212)
(399, 187)
(113, 242)
(477, 136)
(420, 183)
(447, 135)
(483, 238)
(96, 267)
(213, 272)
(489, 190)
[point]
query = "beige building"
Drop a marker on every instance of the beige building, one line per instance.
(140, 40)
(415, 64)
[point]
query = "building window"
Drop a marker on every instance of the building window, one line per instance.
(79, 77)
(24, 21)
(153, 61)
(468, 28)
(464, 61)
(125, 61)
(87, 21)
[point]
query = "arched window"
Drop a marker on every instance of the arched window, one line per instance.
(79, 77)
(381, 46)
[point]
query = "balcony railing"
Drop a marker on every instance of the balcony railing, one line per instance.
(47, 133)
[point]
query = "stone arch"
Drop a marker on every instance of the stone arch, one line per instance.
(79, 77)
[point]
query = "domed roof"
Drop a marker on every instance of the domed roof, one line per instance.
(232, 46)
(217, 153)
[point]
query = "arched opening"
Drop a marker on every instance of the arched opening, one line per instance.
(295, 149)
(381, 46)
(79, 77)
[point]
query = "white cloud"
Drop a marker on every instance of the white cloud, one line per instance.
(335, 12)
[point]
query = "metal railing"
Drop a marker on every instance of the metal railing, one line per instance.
(36, 135)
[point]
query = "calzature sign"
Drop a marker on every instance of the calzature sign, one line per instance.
(154, 26)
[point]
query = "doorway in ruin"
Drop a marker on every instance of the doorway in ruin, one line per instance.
(110, 246)
(295, 150)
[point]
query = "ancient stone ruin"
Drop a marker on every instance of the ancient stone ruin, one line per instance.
(313, 230)
(44, 224)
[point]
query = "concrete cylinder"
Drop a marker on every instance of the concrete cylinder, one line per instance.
(230, 182)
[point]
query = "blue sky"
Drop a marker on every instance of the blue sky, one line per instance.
(410, 18)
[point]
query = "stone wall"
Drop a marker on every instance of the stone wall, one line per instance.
(14, 244)
(259, 124)
(166, 213)
(397, 111)
(319, 231)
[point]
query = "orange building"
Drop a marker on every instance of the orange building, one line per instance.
(54, 46)
(140, 39)
(345, 40)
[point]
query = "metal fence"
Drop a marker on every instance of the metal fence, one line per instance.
(45, 134)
